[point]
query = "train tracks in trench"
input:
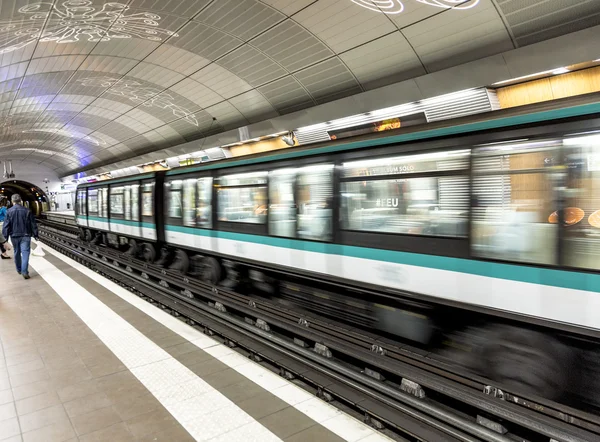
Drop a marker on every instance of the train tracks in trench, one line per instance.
(403, 391)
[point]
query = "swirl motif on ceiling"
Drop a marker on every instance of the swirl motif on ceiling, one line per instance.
(140, 94)
(77, 20)
(392, 7)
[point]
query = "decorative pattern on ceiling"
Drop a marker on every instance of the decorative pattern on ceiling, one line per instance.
(85, 83)
(397, 6)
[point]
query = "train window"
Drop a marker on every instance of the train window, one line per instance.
(582, 202)
(103, 202)
(242, 198)
(381, 196)
(204, 202)
(282, 208)
(147, 199)
(116, 201)
(174, 197)
(127, 202)
(135, 202)
(189, 202)
(436, 206)
(513, 199)
(93, 201)
(315, 202)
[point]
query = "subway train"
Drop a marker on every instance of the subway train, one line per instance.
(481, 235)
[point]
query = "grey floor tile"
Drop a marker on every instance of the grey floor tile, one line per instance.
(7, 411)
(169, 435)
(38, 402)
(196, 356)
(95, 420)
(287, 422)
(149, 423)
(59, 431)
(6, 396)
(130, 407)
(77, 390)
(262, 404)
(241, 391)
(33, 389)
(224, 378)
(10, 427)
(29, 378)
(87, 404)
(314, 433)
(42, 418)
(115, 433)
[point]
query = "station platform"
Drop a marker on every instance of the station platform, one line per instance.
(83, 359)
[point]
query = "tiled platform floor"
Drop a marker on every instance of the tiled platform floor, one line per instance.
(83, 359)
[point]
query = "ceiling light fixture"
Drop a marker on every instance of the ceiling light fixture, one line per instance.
(556, 71)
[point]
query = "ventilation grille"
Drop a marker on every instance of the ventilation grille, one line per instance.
(445, 107)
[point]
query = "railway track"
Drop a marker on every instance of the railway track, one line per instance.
(393, 386)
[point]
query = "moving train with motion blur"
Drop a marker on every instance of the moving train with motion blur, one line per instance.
(479, 236)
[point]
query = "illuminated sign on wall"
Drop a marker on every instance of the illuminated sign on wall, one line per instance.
(392, 7)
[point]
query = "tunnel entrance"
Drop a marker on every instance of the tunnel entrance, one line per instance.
(33, 197)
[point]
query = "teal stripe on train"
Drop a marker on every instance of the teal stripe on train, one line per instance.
(512, 272)
(123, 222)
(555, 114)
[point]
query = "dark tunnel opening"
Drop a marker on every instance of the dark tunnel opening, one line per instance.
(33, 197)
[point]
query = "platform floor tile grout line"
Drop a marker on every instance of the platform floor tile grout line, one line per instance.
(328, 416)
(156, 369)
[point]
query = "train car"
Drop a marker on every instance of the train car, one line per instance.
(401, 233)
(122, 211)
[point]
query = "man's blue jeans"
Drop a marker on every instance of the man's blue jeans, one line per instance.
(22, 245)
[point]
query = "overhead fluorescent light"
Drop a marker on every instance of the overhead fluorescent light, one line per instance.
(556, 71)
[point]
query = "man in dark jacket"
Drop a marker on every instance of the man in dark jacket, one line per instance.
(20, 226)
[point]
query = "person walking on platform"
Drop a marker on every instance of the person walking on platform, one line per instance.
(4, 246)
(20, 226)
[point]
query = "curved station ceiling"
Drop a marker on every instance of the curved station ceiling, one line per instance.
(85, 83)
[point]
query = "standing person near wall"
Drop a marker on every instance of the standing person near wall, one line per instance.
(4, 246)
(20, 226)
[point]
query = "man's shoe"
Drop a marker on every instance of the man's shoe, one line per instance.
(26, 276)
(5, 256)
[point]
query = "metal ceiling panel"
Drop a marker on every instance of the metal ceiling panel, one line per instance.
(221, 81)
(531, 21)
(459, 36)
(288, 7)
(244, 19)
(342, 27)
(252, 65)
(328, 80)
(287, 95)
(157, 76)
(205, 41)
(196, 92)
(176, 59)
(254, 106)
(386, 60)
(292, 46)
